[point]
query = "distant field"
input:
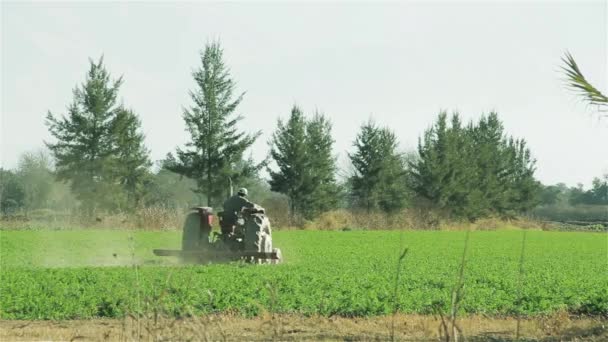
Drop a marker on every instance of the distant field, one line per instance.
(87, 274)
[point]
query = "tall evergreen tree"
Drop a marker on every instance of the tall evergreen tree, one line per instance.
(378, 180)
(214, 155)
(131, 160)
(302, 150)
(458, 192)
(474, 171)
(522, 188)
(289, 150)
(89, 149)
(443, 173)
(321, 188)
(490, 163)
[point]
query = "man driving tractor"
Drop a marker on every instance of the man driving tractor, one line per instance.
(232, 209)
(246, 234)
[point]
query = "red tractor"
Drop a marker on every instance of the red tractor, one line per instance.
(249, 240)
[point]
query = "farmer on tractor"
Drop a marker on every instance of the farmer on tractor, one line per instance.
(245, 234)
(232, 209)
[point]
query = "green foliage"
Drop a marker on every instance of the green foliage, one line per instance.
(98, 148)
(326, 273)
(36, 175)
(321, 189)
(474, 171)
(32, 186)
(379, 177)
(12, 192)
(597, 195)
(574, 204)
(440, 172)
(599, 191)
(302, 151)
(214, 155)
(289, 152)
(131, 161)
(553, 194)
(170, 190)
(578, 83)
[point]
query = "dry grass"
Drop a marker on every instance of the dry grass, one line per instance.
(493, 224)
(158, 218)
(411, 219)
(346, 219)
(293, 327)
(151, 218)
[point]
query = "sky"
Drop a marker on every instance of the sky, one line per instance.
(398, 63)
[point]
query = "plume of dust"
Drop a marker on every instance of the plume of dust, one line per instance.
(57, 251)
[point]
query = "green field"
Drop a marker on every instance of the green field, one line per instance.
(85, 274)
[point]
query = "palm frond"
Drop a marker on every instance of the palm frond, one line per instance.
(577, 82)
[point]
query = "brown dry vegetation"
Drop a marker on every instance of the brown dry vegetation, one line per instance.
(558, 327)
(151, 218)
(412, 219)
(156, 218)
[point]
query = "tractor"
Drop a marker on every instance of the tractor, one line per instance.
(250, 240)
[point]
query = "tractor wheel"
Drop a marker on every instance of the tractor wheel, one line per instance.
(263, 244)
(192, 239)
(191, 233)
(257, 237)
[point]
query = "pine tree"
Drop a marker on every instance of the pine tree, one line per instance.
(394, 191)
(459, 192)
(474, 171)
(433, 175)
(321, 188)
(378, 180)
(302, 150)
(131, 160)
(289, 151)
(522, 189)
(213, 157)
(90, 148)
(491, 160)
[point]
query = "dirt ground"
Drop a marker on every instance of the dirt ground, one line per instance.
(297, 328)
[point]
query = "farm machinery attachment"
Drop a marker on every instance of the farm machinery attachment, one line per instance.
(250, 239)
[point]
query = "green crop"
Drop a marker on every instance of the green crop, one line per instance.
(85, 274)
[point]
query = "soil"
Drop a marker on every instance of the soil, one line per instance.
(559, 327)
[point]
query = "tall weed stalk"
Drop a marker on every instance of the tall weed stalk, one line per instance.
(449, 327)
(396, 290)
(137, 283)
(520, 281)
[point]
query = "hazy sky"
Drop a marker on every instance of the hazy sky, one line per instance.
(399, 63)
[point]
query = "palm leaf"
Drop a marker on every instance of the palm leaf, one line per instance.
(577, 82)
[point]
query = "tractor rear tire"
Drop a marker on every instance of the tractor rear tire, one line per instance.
(191, 233)
(257, 235)
(192, 237)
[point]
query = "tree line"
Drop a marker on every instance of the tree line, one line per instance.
(561, 194)
(466, 170)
